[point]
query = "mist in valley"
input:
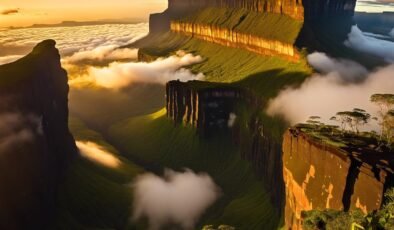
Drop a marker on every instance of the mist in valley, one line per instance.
(340, 84)
(111, 88)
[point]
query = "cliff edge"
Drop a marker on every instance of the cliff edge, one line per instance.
(35, 143)
(320, 176)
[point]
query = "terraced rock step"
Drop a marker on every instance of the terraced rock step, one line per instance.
(230, 38)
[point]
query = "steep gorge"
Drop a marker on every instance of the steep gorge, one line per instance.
(212, 109)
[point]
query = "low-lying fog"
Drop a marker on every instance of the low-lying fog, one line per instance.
(341, 85)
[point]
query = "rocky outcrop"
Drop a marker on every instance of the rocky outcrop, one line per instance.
(203, 108)
(213, 108)
(292, 8)
(36, 146)
(179, 8)
(231, 38)
(318, 176)
(263, 151)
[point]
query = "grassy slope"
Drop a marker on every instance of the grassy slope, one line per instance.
(103, 201)
(93, 196)
(245, 203)
(115, 105)
(153, 138)
(264, 76)
(221, 64)
(245, 21)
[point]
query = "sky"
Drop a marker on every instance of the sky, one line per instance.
(28, 12)
(375, 5)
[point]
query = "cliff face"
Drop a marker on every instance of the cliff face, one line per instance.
(292, 8)
(326, 8)
(214, 109)
(231, 38)
(205, 109)
(297, 9)
(179, 8)
(39, 146)
(321, 177)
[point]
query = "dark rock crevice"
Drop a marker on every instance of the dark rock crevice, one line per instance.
(351, 178)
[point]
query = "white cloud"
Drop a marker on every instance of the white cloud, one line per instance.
(348, 70)
(102, 53)
(178, 198)
(162, 70)
(371, 45)
(325, 95)
(98, 154)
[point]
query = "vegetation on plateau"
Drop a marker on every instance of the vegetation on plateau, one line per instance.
(348, 133)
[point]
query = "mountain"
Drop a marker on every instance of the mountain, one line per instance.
(269, 172)
(252, 50)
(84, 23)
(37, 147)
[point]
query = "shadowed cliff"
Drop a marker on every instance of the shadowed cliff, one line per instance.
(34, 104)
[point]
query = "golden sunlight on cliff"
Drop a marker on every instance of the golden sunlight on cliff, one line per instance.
(318, 176)
(230, 38)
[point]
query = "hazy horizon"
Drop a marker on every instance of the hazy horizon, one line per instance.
(18, 13)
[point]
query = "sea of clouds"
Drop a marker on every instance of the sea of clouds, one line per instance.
(371, 44)
(96, 55)
(76, 44)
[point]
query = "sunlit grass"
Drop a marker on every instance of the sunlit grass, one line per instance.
(95, 196)
(97, 154)
(153, 138)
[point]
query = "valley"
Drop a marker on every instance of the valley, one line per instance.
(227, 63)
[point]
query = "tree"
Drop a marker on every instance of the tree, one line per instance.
(352, 119)
(386, 105)
(389, 125)
(314, 121)
(360, 117)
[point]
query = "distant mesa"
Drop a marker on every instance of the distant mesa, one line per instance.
(84, 23)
